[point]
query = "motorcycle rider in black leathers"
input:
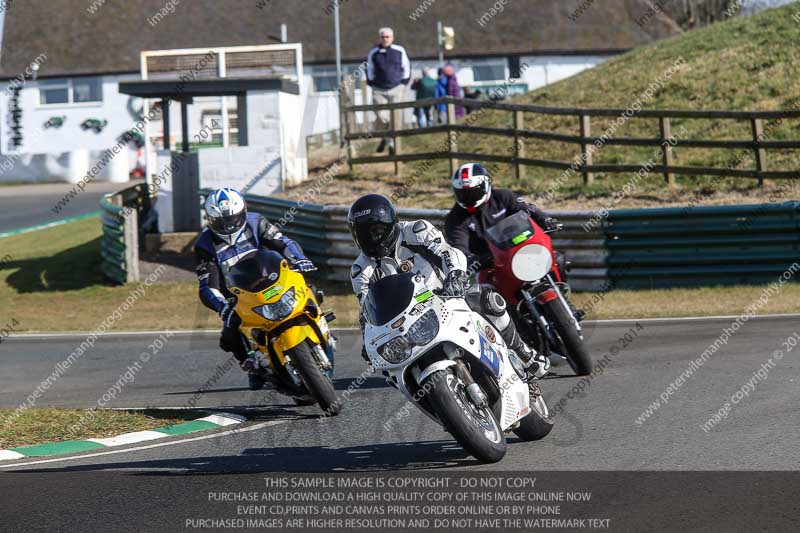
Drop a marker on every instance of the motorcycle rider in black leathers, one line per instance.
(478, 207)
(390, 246)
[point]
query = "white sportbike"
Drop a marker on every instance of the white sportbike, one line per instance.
(453, 365)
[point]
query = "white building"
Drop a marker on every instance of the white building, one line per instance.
(62, 108)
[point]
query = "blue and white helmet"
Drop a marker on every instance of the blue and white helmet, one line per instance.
(226, 214)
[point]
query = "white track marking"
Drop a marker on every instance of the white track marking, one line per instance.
(8, 455)
(55, 335)
(223, 419)
(693, 318)
(149, 446)
(130, 438)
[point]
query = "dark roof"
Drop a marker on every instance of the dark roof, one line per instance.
(177, 89)
(77, 42)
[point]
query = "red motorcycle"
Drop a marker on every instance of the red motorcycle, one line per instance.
(527, 275)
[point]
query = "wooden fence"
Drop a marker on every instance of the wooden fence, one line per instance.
(758, 141)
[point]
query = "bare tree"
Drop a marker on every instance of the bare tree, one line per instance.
(691, 14)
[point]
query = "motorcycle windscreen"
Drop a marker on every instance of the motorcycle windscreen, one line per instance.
(511, 231)
(256, 272)
(388, 297)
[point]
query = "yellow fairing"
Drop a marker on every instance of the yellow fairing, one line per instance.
(293, 335)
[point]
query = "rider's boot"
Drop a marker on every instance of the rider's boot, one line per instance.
(536, 364)
(256, 377)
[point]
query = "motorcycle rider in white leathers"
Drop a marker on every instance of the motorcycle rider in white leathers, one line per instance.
(389, 246)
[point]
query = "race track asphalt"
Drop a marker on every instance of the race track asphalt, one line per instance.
(22, 206)
(597, 433)
(597, 429)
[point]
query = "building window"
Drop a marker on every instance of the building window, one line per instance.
(87, 90)
(53, 92)
(325, 77)
(70, 91)
(490, 70)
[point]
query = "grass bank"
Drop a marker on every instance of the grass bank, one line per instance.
(43, 425)
(745, 63)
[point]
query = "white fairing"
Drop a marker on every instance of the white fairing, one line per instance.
(478, 339)
(531, 262)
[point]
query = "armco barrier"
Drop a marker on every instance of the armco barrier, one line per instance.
(120, 244)
(323, 233)
(693, 246)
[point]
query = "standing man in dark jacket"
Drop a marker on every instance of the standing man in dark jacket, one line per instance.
(478, 208)
(388, 73)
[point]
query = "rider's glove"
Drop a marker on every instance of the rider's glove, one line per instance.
(486, 261)
(550, 224)
(304, 265)
(454, 285)
(228, 311)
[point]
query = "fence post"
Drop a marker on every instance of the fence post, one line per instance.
(351, 151)
(368, 123)
(760, 153)
(519, 146)
(396, 120)
(452, 140)
(130, 228)
(666, 148)
(586, 153)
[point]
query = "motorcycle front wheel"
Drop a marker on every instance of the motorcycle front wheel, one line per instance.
(317, 383)
(574, 348)
(475, 428)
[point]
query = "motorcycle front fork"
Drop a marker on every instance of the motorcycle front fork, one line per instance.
(530, 304)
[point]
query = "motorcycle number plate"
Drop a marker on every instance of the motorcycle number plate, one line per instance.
(489, 356)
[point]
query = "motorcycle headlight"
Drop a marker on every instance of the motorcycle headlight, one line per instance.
(280, 309)
(424, 329)
(396, 350)
(421, 332)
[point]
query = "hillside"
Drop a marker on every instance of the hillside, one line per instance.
(746, 63)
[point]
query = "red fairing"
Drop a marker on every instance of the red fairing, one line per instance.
(504, 279)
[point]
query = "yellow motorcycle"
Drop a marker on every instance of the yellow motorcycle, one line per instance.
(284, 324)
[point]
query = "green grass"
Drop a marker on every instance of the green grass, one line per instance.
(746, 63)
(53, 283)
(44, 425)
(50, 280)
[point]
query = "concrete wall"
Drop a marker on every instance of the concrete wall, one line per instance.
(37, 139)
(66, 166)
(256, 169)
(544, 70)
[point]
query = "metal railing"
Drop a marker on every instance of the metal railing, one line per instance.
(702, 246)
(760, 123)
(630, 248)
(323, 233)
(120, 213)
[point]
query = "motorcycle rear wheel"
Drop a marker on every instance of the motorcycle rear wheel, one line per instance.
(475, 429)
(538, 423)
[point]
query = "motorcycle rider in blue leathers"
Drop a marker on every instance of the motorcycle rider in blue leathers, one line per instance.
(231, 235)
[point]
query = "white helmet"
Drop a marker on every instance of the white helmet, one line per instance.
(226, 213)
(472, 186)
